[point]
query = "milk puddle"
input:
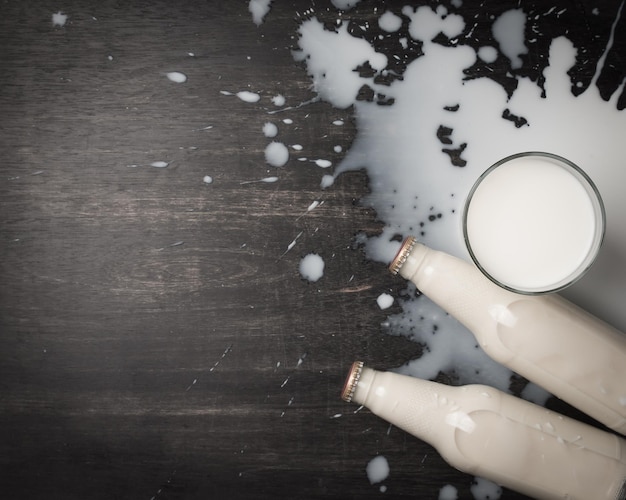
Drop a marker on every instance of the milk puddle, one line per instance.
(426, 130)
(448, 97)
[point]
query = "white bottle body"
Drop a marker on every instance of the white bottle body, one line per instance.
(548, 340)
(485, 432)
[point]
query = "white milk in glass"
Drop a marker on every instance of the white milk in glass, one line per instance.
(534, 222)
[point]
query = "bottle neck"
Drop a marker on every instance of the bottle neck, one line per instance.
(417, 406)
(363, 385)
(413, 262)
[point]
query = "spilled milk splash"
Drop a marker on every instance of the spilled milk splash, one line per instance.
(426, 131)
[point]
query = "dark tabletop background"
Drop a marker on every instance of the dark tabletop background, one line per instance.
(153, 341)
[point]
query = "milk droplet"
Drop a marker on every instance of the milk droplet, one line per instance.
(301, 359)
(508, 30)
(247, 96)
(59, 19)
(159, 164)
(276, 154)
(488, 54)
(259, 9)
(296, 147)
(323, 163)
(337, 149)
(270, 129)
(338, 122)
(177, 76)
(312, 267)
(483, 489)
(278, 100)
(268, 180)
(384, 301)
(448, 492)
(313, 206)
(389, 22)
(327, 181)
(292, 244)
(207, 179)
(377, 469)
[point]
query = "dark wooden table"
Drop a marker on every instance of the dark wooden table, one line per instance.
(154, 340)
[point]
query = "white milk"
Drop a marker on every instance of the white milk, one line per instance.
(533, 223)
(176, 77)
(59, 19)
(384, 300)
(276, 154)
(259, 9)
(270, 129)
(483, 431)
(448, 492)
(312, 267)
(483, 489)
(544, 338)
(377, 469)
(412, 180)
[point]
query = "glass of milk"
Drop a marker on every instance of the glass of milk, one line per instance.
(534, 222)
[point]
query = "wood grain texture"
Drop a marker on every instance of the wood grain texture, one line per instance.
(156, 339)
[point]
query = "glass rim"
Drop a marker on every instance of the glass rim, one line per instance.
(598, 238)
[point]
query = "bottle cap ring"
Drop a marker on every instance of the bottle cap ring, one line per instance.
(402, 255)
(351, 381)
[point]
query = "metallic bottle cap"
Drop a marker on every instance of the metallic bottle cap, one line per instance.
(402, 255)
(353, 379)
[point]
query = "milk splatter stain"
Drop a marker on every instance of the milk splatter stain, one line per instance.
(176, 77)
(426, 135)
(286, 381)
(59, 19)
(213, 367)
(267, 180)
(270, 129)
(244, 95)
(291, 245)
(312, 267)
(259, 9)
(276, 154)
(377, 469)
